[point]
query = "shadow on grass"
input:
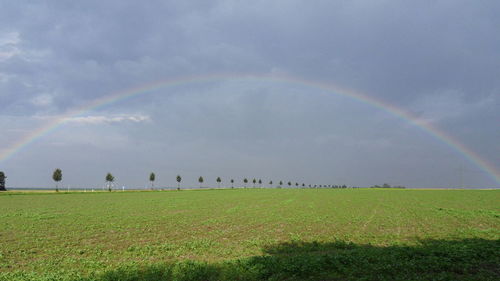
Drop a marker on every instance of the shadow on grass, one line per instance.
(470, 259)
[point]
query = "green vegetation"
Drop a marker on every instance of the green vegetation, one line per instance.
(109, 181)
(251, 234)
(152, 178)
(2, 181)
(57, 177)
(178, 179)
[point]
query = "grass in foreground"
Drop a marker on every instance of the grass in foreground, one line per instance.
(251, 235)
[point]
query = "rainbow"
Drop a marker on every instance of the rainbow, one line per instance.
(440, 135)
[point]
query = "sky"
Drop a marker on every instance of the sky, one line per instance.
(314, 92)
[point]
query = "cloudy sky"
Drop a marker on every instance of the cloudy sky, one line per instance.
(437, 61)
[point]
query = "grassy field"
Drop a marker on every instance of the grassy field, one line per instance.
(251, 234)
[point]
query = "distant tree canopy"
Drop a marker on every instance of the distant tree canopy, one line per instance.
(178, 179)
(109, 180)
(57, 177)
(200, 180)
(219, 180)
(152, 178)
(110, 177)
(2, 181)
(386, 185)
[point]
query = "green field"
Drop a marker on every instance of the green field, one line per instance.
(251, 234)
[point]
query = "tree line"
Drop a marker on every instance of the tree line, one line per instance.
(57, 177)
(386, 185)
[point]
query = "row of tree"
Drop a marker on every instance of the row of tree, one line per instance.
(57, 177)
(386, 185)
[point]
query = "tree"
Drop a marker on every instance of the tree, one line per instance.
(232, 183)
(152, 178)
(200, 180)
(245, 181)
(2, 181)
(109, 180)
(218, 181)
(297, 184)
(57, 177)
(289, 184)
(303, 185)
(179, 179)
(270, 183)
(254, 181)
(281, 183)
(260, 183)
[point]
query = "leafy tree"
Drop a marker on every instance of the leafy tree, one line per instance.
(218, 181)
(270, 183)
(303, 185)
(254, 181)
(232, 183)
(297, 184)
(152, 178)
(289, 184)
(200, 180)
(245, 180)
(57, 177)
(281, 183)
(2, 181)
(260, 183)
(109, 179)
(179, 179)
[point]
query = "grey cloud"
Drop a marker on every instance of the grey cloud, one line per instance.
(435, 58)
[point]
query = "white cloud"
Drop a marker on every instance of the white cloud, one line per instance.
(101, 119)
(42, 100)
(8, 45)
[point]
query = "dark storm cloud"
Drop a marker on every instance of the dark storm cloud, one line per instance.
(397, 50)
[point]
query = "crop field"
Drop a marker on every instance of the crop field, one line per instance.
(251, 234)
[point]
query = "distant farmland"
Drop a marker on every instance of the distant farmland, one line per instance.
(251, 234)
